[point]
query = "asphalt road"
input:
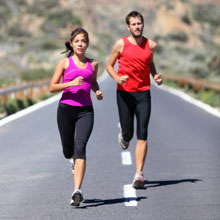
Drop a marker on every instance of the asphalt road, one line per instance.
(182, 172)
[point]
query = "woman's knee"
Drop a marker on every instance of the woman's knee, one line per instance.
(80, 151)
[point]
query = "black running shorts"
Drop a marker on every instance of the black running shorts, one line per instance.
(132, 104)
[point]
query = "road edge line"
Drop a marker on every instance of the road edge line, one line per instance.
(29, 110)
(191, 100)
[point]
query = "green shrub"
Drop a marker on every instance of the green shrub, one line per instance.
(6, 81)
(15, 30)
(50, 45)
(159, 49)
(171, 83)
(199, 57)
(36, 74)
(214, 62)
(2, 109)
(207, 13)
(11, 107)
(15, 105)
(187, 88)
(43, 97)
(5, 13)
(41, 7)
(185, 18)
(60, 19)
(184, 1)
(178, 36)
(169, 4)
(28, 102)
(199, 70)
(209, 97)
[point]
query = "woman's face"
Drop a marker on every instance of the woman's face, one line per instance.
(79, 44)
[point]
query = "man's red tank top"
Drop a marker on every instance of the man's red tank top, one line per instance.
(134, 61)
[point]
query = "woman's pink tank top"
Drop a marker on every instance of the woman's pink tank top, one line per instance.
(78, 95)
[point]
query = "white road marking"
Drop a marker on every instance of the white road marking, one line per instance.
(126, 158)
(191, 100)
(130, 195)
(129, 192)
(119, 125)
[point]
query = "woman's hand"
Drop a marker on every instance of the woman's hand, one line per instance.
(99, 95)
(77, 81)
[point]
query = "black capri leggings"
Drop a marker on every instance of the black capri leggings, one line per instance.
(130, 104)
(75, 126)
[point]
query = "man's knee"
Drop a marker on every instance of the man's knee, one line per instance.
(68, 154)
(142, 136)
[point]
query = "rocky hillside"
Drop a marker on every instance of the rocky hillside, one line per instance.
(32, 34)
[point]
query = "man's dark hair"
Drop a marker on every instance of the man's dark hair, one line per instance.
(133, 14)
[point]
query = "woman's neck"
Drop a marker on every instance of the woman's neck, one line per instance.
(80, 58)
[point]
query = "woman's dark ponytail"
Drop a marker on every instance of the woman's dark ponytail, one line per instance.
(69, 49)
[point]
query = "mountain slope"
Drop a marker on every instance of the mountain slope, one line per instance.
(32, 34)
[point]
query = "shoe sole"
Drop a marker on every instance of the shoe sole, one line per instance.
(76, 199)
(138, 184)
(122, 146)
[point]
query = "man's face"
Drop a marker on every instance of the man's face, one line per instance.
(135, 27)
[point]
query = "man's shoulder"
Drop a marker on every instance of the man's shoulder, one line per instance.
(119, 44)
(152, 44)
(120, 41)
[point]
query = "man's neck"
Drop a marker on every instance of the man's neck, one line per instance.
(136, 40)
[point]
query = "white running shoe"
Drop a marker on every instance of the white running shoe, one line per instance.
(76, 198)
(72, 165)
(124, 144)
(138, 181)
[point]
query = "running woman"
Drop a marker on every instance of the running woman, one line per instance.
(75, 114)
(135, 63)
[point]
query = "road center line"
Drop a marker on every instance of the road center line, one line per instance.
(126, 158)
(130, 195)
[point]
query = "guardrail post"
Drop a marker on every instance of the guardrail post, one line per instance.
(30, 93)
(4, 97)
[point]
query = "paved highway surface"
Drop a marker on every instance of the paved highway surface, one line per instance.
(182, 172)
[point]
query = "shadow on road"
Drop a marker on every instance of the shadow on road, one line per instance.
(98, 202)
(149, 184)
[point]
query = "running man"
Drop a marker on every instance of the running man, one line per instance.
(135, 64)
(75, 114)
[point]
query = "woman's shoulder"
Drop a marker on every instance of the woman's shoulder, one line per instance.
(64, 62)
(92, 61)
